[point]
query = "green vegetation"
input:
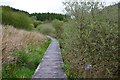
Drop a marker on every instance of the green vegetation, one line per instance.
(26, 61)
(48, 16)
(24, 20)
(90, 37)
(57, 24)
(36, 23)
(54, 29)
(17, 19)
(46, 29)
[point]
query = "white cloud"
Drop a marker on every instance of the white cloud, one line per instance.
(32, 6)
(35, 5)
(46, 5)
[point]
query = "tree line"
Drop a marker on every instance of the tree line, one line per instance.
(48, 16)
(22, 19)
(39, 16)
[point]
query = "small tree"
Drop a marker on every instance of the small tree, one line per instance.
(91, 38)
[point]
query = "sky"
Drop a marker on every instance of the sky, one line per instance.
(40, 6)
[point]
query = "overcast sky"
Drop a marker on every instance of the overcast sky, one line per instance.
(42, 6)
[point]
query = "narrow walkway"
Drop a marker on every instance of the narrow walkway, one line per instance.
(51, 64)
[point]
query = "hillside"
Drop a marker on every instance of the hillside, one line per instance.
(18, 19)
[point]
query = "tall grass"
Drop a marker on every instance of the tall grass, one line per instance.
(26, 61)
(22, 52)
(14, 39)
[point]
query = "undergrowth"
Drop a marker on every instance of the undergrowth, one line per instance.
(26, 61)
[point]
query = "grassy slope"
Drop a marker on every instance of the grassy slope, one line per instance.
(22, 52)
(18, 19)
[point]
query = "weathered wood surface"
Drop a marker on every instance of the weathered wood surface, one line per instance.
(51, 64)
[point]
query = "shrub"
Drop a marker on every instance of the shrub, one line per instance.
(36, 23)
(95, 45)
(57, 24)
(91, 40)
(47, 29)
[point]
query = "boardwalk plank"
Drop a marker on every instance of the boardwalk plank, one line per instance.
(51, 64)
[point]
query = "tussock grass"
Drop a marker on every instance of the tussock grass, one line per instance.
(14, 39)
(22, 52)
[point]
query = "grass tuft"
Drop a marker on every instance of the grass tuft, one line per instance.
(22, 52)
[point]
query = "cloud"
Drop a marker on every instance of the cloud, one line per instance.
(31, 6)
(52, 6)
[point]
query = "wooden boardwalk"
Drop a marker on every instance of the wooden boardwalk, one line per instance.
(51, 64)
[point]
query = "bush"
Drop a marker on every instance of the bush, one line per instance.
(91, 41)
(57, 24)
(36, 23)
(47, 29)
(95, 45)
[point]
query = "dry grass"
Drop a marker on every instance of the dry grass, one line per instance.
(14, 39)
